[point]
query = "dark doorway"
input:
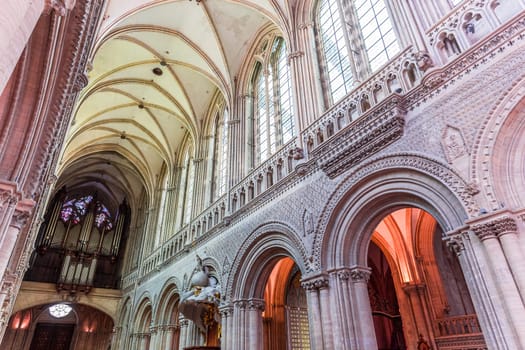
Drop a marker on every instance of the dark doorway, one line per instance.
(52, 336)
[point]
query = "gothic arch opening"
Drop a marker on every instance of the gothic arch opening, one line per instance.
(59, 326)
(285, 317)
(417, 291)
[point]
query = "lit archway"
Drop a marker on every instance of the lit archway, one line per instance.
(417, 282)
(285, 315)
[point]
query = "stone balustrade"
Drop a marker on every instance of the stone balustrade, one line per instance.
(399, 76)
(269, 173)
(457, 325)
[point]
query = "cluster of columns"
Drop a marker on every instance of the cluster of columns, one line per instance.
(242, 324)
(491, 253)
(339, 309)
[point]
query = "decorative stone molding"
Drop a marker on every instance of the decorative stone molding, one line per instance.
(315, 282)
(60, 6)
(496, 227)
(344, 275)
(19, 219)
(456, 241)
(421, 163)
(256, 304)
(240, 304)
(360, 274)
(362, 138)
(226, 310)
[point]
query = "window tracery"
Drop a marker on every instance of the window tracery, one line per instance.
(60, 310)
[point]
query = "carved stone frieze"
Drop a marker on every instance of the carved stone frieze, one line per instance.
(361, 139)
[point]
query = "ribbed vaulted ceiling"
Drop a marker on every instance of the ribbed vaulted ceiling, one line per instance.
(155, 69)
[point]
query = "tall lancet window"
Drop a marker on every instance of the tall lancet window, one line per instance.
(272, 86)
(345, 28)
(221, 152)
(377, 31)
(188, 202)
(185, 195)
(335, 49)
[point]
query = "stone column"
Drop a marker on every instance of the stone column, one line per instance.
(495, 324)
(318, 311)
(240, 331)
(17, 21)
(507, 232)
(255, 324)
(363, 312)
(507, 288)
(342, 309)
(305, 82)
(183, 337)
(226, 311)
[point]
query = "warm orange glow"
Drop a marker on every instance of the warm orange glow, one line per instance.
(398, 234)
(89, 326)
(277, 282)
(21, 320)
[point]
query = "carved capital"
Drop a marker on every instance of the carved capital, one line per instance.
(344, 274)
(496, 227)
(241, 304)
(8, 198)
(256, 304)
(315, 283)
(226, 310)
(360, 274)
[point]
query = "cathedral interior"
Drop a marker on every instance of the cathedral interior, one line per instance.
(262, 174)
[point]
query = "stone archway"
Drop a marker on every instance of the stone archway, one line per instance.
(258, 315)
(59, 326)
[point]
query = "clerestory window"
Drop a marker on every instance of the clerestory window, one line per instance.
(356, 38)
(221, 151)
(274, 122)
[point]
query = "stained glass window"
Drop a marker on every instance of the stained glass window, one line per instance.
(103, 218)
(75, 209)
